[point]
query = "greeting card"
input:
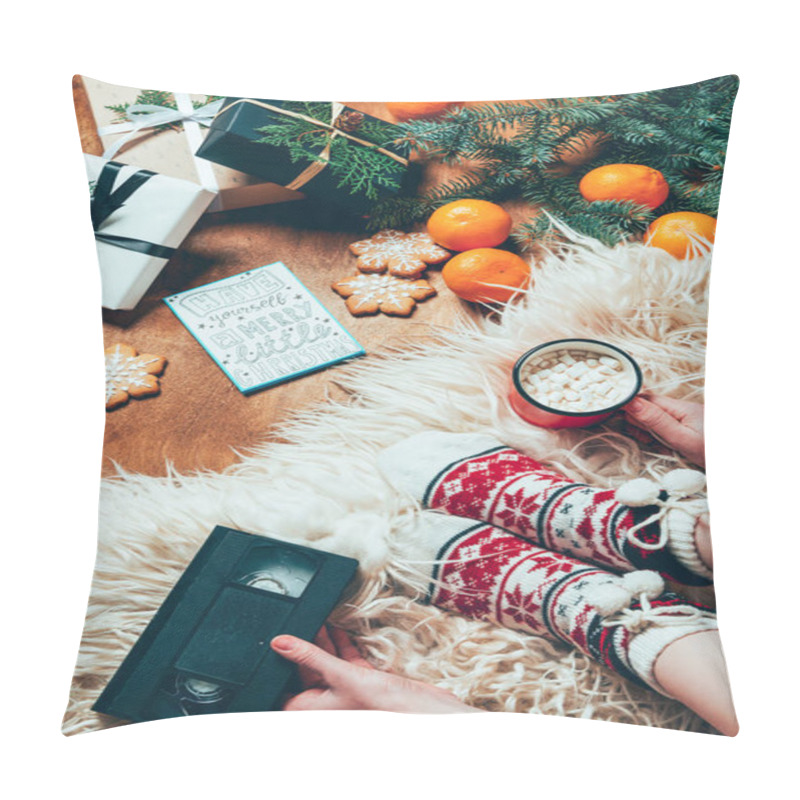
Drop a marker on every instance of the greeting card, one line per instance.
(263, 327)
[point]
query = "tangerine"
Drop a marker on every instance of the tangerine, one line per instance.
(635, 182)
(682, 233)
(486, 275)
(404, 111)
(467, 224)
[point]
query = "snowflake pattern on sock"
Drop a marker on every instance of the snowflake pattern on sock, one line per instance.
(129, 374)
(487, 573)
(511, 490)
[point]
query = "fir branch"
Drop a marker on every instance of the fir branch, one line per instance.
(357, 167)
(510, 150)
(363, 170)
(608, 221)
(404, 212)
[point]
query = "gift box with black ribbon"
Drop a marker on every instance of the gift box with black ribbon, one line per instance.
(139, 219)
(160, 131)
(327, 151)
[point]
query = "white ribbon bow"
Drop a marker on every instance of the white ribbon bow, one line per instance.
(640, 492)
(663, 534)
(145, 115)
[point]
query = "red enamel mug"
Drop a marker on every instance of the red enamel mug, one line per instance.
(537, 413)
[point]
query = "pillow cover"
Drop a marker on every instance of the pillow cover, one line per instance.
(418, 382)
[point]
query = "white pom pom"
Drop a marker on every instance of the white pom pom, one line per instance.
(644, 581)
(638, 492)
(684, 481)
(608, 598)
(363, 536)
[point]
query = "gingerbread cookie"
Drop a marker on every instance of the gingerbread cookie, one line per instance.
(404, 254)
(129, 374)
(369, 294)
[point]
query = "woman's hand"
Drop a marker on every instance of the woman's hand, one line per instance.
(335, 676)
(676, 423)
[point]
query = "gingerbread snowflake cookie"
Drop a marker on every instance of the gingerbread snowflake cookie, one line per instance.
(407, 255)
(130, 374)
(369, 294)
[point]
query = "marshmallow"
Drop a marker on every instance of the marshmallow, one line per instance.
(580, 381)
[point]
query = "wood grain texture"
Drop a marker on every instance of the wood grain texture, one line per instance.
(90, 141)
(200, 419)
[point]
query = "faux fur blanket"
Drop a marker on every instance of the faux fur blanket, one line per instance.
(315, 480)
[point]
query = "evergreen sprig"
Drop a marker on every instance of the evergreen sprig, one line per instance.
(515, 151)
(357, 167)
(154, 97)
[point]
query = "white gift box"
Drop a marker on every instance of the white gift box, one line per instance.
(134, 240)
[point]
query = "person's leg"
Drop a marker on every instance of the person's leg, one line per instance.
(706, 690)
(628, 623)
(638, 526)
(702, 540)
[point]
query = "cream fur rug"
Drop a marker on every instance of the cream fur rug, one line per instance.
(315, 480)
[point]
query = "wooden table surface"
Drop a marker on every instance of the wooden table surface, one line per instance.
(200, 419)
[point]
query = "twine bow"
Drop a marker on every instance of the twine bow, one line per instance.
(323, 159)
(336, 110)
(142, 116)
(637, 620)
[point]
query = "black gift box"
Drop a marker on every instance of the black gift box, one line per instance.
(293, 144)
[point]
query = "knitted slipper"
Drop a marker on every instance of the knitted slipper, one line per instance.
(484, 572)
(641, 525)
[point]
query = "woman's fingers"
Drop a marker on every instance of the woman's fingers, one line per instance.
(312, 700)
(308, 677)
(647, 414)
(347, 649)
(309, 657)
(682, 410)
(684, 435)
(323, 640)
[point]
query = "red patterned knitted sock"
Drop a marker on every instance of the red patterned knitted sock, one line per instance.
(641, 525)
(484, 572)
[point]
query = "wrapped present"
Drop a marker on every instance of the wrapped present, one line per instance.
(139, 218)
(328, 151)
(161, 131)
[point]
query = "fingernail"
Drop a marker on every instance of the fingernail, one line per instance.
(636, 405)
(283, 643)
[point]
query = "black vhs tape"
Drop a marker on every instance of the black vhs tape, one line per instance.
(207, 649)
